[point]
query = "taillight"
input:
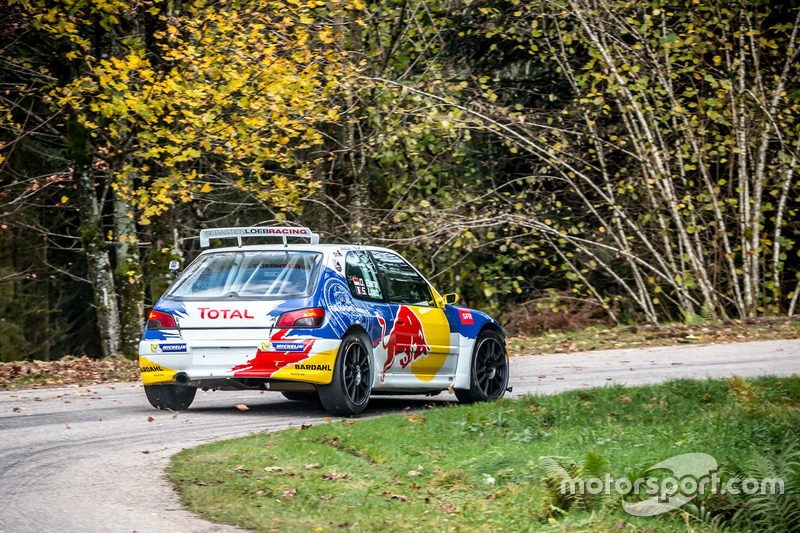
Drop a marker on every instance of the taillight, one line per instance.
(160, 320)
(302, 318)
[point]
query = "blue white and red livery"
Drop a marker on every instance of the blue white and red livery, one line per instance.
(327, 322)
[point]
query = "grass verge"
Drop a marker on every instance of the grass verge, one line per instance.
(494, 466)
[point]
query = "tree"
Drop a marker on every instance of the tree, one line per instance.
(668, 169)
(163, 103)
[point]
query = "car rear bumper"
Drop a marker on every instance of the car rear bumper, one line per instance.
(309, 360)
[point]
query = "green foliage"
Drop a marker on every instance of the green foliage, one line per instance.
(566, 482)
(779, 511)
(656, 182)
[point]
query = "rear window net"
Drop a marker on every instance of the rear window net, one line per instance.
(251, 274)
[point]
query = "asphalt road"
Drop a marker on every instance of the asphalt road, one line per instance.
(91, 459)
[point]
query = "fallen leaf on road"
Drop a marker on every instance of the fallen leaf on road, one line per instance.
(242, 407)
(150, 418)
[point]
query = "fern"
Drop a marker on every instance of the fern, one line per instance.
(561, 483)
(567, 482)
(701, 514)
(774, 512)
(595, 466)
(707, 312)
(747, 397)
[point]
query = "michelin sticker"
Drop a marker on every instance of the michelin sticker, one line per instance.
(168, 348)
(288, 346)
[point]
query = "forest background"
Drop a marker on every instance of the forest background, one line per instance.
(618, 161)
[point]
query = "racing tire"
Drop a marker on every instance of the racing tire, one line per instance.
(488, 370)
(172, 397)
(301, 395)
(348, 392)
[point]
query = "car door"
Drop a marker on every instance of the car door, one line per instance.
(365, 284)
(420, 346)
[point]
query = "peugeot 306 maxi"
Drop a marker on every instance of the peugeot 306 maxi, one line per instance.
(324, 322)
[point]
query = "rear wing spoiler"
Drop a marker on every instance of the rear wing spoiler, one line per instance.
(225, 233)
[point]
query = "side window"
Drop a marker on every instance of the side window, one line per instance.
(362, 277)
(405, 286)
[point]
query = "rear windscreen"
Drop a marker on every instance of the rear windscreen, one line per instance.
(248, 275)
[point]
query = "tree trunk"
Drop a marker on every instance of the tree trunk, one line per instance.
(129, 277)
(91, 232)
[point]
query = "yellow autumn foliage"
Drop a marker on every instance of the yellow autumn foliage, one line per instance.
(232, 95)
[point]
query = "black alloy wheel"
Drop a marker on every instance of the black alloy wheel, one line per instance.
(356, 373)
(348, 392)
(489, 372)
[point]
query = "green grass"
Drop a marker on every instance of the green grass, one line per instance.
(479, 467)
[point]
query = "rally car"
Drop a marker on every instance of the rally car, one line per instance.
(323, 322)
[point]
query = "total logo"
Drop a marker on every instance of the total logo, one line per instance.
(207, 312)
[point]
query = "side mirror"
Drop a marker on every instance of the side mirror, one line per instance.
(174, 267)
(451, 298)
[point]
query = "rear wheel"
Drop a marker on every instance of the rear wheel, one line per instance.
(348, 392)
(301, 395)
(489, 370)
(174, 397)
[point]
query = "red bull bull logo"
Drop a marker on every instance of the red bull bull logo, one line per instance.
(406, 342)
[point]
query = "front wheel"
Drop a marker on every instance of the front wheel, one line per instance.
(348, 392)
(489, 370)
(173, 397)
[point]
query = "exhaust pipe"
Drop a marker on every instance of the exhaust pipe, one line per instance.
(181, 378)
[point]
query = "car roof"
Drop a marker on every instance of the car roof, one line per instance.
(295, 247)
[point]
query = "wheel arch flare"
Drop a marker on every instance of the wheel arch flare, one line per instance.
(471, 323)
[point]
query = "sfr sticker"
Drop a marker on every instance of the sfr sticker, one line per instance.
(466, 317)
